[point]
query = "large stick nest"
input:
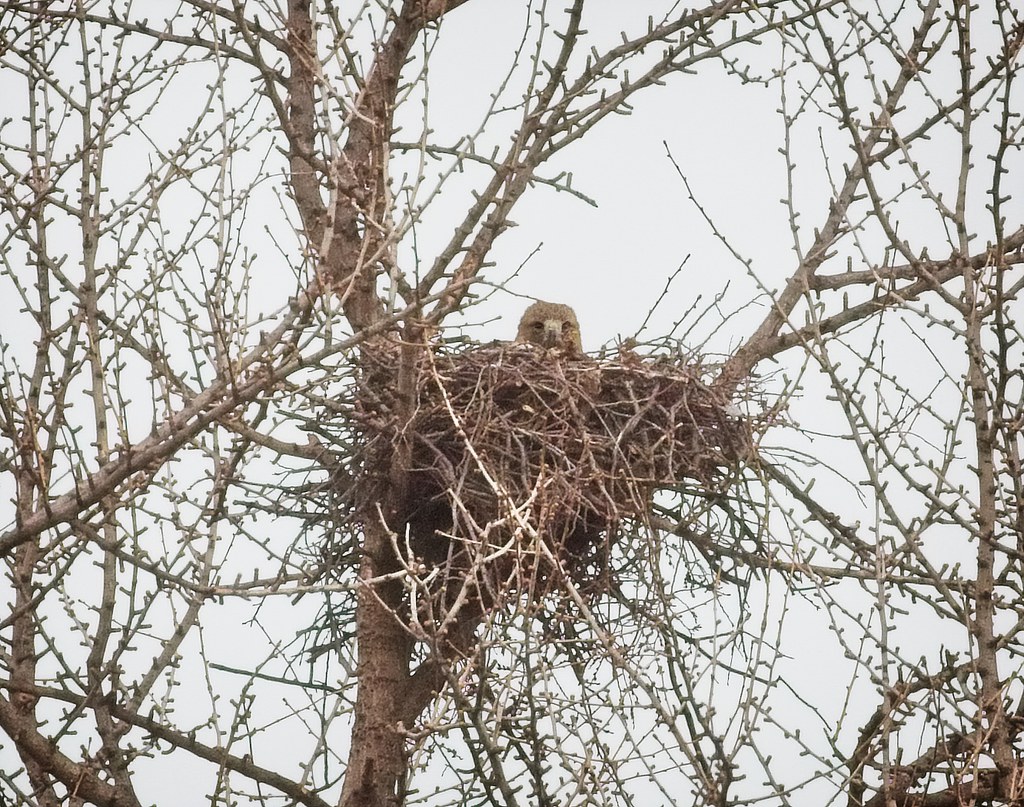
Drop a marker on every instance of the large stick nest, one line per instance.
(523, 463)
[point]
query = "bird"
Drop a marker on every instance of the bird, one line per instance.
(550, 325)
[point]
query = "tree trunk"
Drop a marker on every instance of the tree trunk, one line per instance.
(377, 757)
(377, 762)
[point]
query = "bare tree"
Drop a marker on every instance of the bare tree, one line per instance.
(226, 262)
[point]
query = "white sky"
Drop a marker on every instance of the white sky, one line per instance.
(611, 263)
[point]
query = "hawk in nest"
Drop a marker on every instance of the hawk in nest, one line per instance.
(550, 325)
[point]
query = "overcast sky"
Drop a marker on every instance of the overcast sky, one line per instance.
(611, 262)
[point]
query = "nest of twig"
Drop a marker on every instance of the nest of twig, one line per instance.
(523, 463)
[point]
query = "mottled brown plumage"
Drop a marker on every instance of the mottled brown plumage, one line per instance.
(550, 325)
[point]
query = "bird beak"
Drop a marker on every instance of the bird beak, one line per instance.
(552, 332)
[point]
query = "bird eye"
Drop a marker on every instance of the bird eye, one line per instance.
(538, 326)
(568, 325)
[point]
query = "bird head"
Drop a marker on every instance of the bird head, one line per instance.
(550, 325)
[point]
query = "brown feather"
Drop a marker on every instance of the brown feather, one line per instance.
(550, 325)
